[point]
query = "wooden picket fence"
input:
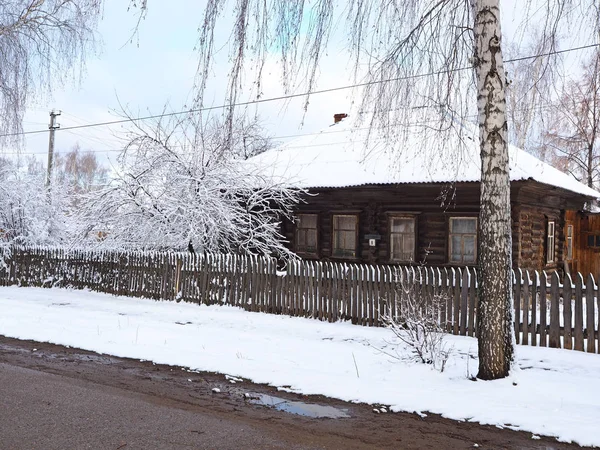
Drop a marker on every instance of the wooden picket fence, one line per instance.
(549, 311)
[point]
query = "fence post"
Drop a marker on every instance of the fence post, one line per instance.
(456, 315)
(464, 297)
(526, 299)
(543, 308)
(554, 340)
(579, 286)
(177, 284)
(472, 301)
(590, 288)
(535, 283)
(517, 280)
(443, 298)
(567, 315)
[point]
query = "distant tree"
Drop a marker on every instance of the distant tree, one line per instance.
(573, 135)
(247, 137)
(80, 171)
(179, 185)
(42, 41)
(529, 91)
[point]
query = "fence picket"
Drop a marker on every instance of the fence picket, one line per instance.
(554, 336)
(443, 302)
(464, 297)
(517, 281)
(543, 283)
(456, 314)
(525, 307)
(472, 301)
(567, 314)
(589, 313)
(535, 283)
(579, 312)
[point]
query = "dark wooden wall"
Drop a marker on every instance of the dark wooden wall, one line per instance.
(433, 204)
(530, 237)
(585, 259)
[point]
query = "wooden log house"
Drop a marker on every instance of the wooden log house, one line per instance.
(420, 203)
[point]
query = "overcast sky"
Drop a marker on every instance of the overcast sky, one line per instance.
(158, 67)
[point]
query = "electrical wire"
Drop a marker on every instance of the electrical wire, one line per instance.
(291, 96)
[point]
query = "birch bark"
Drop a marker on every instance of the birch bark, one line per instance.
(495, 335)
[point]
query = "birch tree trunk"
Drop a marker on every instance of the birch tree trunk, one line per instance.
(495, 331)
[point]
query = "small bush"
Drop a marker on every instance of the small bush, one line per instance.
(417, 324)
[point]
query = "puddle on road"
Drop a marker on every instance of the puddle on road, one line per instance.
(300, 408)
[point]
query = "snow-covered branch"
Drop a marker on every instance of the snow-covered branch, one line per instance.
(182, 182)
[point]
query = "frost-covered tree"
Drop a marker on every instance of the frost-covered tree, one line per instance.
(29, 213)
(423, 59)
(42, 41)
(178, 182)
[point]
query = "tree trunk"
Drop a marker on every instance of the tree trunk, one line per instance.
(495, 316)
(590, 164)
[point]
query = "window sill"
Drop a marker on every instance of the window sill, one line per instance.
(305, 255)
(345, 258)
(461, 264)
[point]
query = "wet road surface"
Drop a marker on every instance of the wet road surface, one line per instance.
(54, 397)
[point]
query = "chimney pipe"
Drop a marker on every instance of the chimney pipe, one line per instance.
(338, 117)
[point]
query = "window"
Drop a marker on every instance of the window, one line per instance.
(345, 228)
(594, 240)
(463, 239)
(306, 234)
(550, 242)
(402, 239)
(569, 242)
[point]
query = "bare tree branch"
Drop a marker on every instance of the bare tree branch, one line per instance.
(41, 41)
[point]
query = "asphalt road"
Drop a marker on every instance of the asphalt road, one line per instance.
(45, 411)
(54, 397)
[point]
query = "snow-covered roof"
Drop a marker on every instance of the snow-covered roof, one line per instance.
(338, 157)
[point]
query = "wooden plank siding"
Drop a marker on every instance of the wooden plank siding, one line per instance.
(432, 205)
(586, 259)
(550, 310)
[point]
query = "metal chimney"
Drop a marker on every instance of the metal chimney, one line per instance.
(338, 117)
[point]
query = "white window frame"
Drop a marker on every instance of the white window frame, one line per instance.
(299, 229)
(393, 258)
(335, 251)
(462, 253)
(569, 239)
(550, 241)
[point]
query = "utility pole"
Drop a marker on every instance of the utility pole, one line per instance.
(53, 126)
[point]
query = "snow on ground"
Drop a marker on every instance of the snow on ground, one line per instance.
(554, 392)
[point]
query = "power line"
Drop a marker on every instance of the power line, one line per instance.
(291, 96)
(552, 53)
(289, 136)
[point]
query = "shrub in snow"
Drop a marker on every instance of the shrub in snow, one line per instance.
(415, 321)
